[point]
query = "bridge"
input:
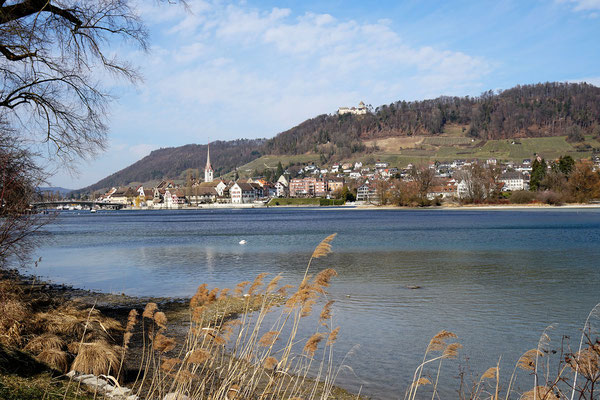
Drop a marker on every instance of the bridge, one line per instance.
(86, 203)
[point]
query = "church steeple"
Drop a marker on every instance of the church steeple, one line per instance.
(208, 170)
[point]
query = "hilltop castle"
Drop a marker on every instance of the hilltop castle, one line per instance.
(360, 110)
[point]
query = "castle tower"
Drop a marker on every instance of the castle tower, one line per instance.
(208, 170)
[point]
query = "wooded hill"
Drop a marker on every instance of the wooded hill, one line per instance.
(549, 109)
(172, 162)
(540, 110)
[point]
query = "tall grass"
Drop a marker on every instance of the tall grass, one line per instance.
(245, 357)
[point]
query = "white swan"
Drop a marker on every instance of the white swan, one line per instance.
(242, 241)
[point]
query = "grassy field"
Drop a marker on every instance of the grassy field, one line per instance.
(450, 145)
(265, 162)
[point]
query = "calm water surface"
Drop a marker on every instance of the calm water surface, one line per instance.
(495, 278)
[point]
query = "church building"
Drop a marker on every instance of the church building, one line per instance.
(208, 170)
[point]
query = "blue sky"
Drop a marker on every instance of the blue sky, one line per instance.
(247, 69)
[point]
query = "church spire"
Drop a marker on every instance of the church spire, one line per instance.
(208, 170)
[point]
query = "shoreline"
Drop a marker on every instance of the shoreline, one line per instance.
(117, 307)
(486, 207)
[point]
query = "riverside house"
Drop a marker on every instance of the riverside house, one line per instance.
(242, 192)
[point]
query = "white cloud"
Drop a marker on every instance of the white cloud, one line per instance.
(253, 61)
(583, 5)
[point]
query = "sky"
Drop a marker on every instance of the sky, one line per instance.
(223, 70)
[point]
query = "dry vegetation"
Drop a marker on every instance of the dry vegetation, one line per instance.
(244, 343)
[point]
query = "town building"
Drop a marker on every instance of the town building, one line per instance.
(513, 181)
(242, 192)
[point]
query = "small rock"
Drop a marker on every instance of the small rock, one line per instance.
(175, 396)
(118, 392)
(83, 377)
(98, 383)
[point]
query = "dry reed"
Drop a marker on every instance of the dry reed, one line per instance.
(55, 358)
(46, 341)
(96, 358)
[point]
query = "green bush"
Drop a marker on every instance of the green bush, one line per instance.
(331, 202)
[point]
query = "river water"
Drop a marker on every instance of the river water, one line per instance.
(497, 279)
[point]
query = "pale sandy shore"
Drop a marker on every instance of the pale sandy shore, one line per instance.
(484, 207)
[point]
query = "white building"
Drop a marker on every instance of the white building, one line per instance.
(513, 181)
(360, 110)
(242, 193)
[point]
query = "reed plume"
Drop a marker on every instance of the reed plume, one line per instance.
(161, 319)
(587, 362)
(326, 312)
(323, 278)
(438, 342)
(149, 310)
(163, 344)
(258, 282)
(312, 343)
(199, 356)
(169, 364)
(239, 289)
(527, 360)
(270, 363)
(324, 247)
(268, 339)
(451, 350)
(490, 373)
(333, 336)
(200, 297)
(273, 284)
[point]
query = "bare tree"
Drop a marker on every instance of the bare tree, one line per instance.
(424, 177)
(55, 56)
(52, 58)
(19, 176)
(481, 182)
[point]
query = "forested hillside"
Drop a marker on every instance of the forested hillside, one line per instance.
(170, 162)
(549, 109)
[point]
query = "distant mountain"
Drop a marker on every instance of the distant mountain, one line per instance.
(53, 189)
(540, 110)
(172, 162)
